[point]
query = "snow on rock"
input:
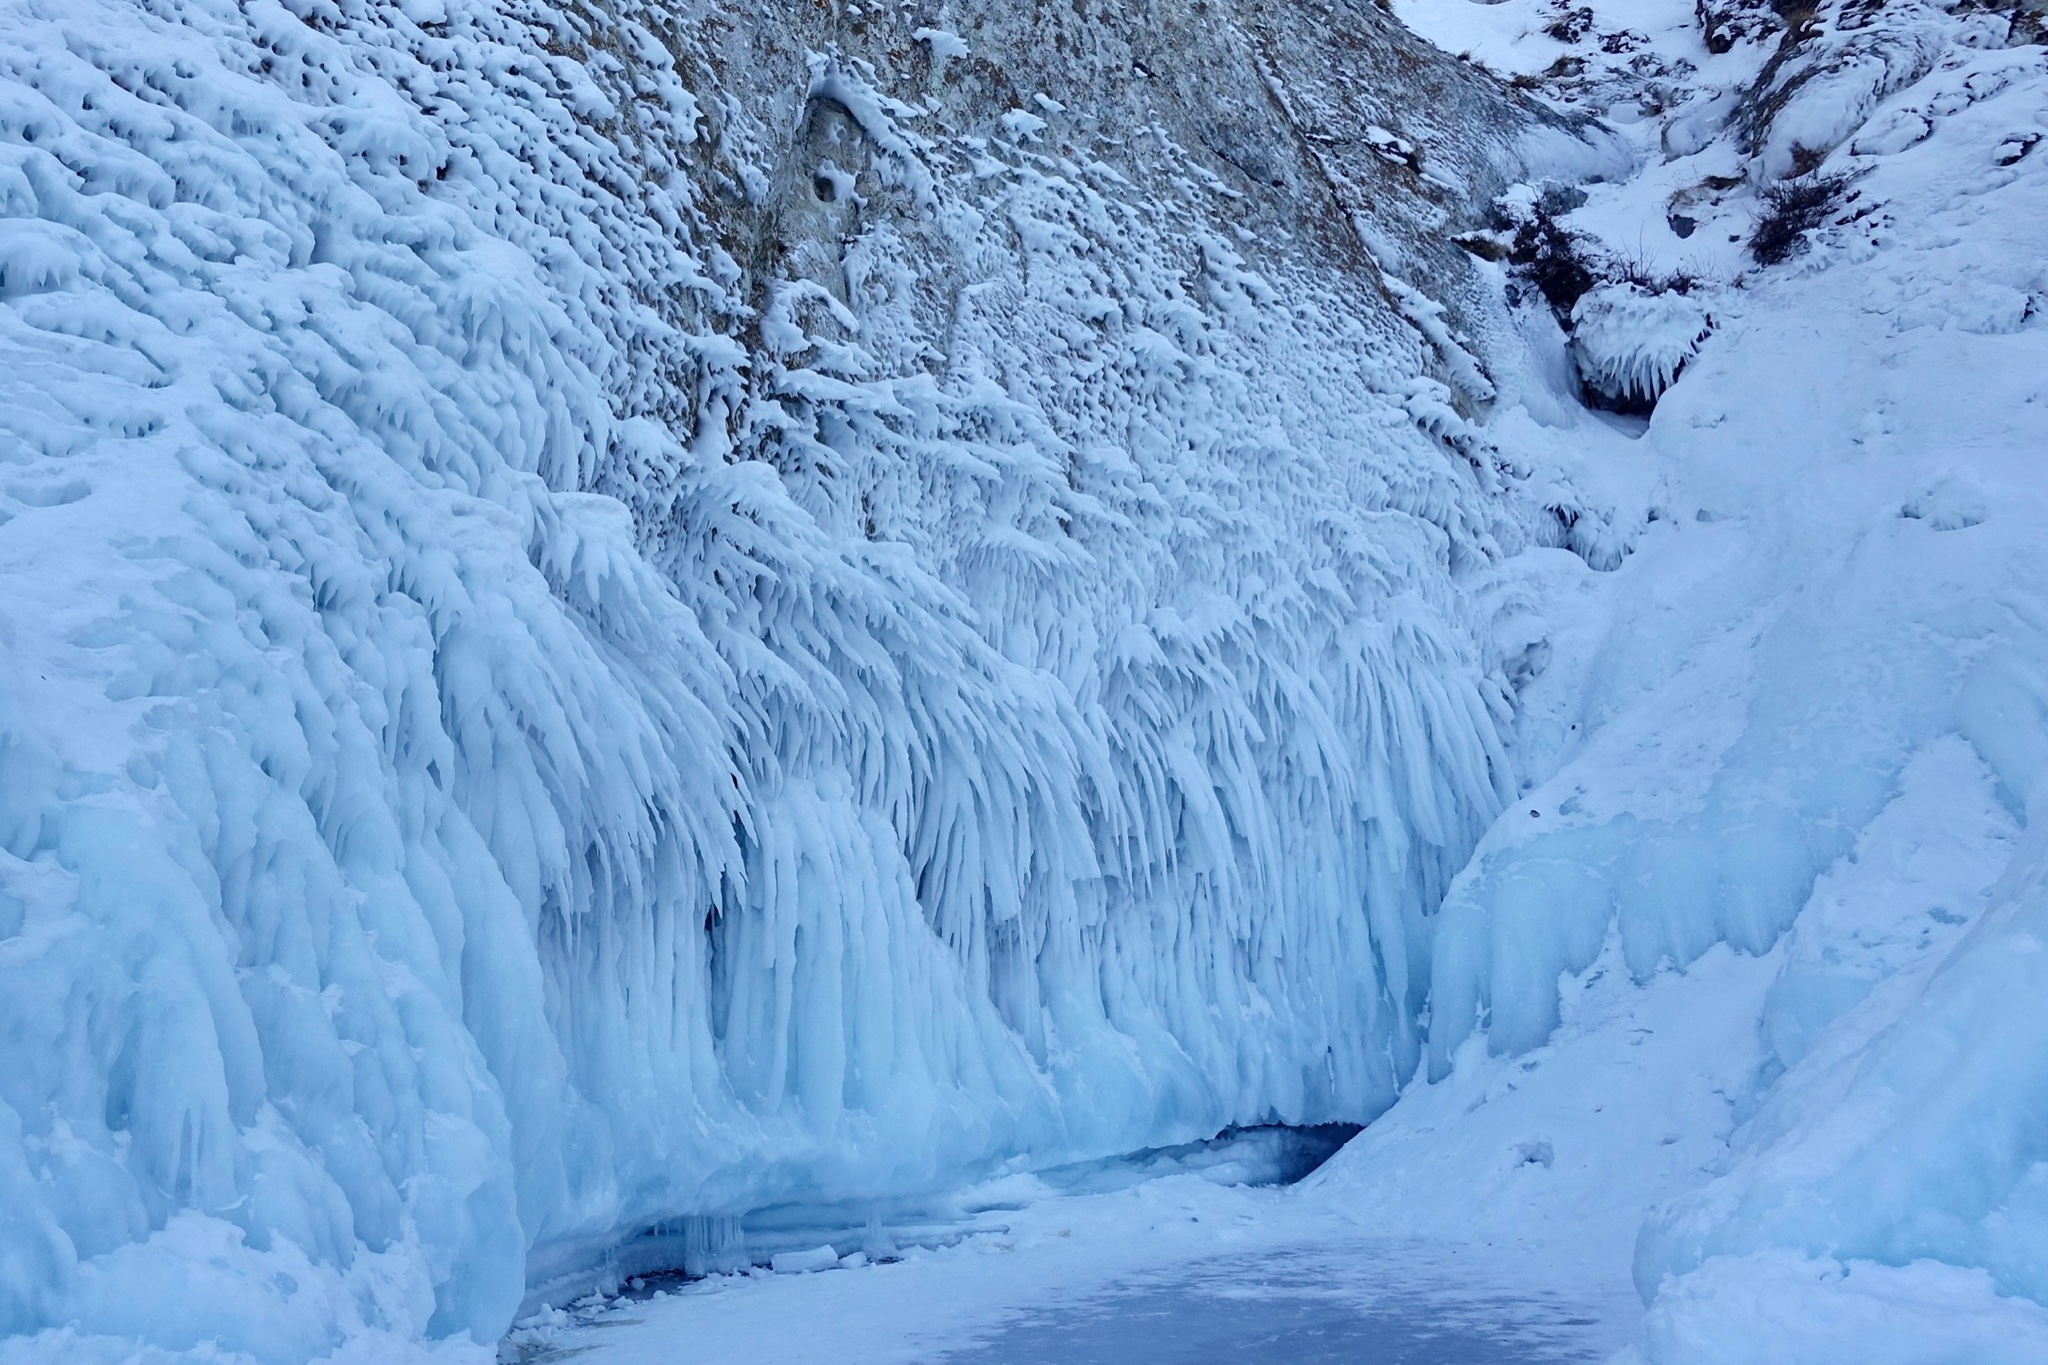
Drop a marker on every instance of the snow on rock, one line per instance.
(943, 44)
(1631, 342)
(1836, 66)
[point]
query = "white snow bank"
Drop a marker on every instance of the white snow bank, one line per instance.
(1912, 1134)
(1793, 1310)
(1904, 1141)
(1565, 1146)
(1806, 721)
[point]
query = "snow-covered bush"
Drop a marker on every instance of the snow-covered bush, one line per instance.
(1788, 210)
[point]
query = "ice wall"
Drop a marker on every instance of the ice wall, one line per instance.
(617, 613)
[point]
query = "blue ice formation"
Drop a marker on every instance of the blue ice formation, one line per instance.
(506, 738)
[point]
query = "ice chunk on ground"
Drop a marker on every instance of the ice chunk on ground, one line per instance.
(803, 1262)
(1631, 342)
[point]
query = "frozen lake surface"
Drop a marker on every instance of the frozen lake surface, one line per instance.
(1303, 1307)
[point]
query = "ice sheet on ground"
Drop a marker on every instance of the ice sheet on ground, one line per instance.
(1238, 1271)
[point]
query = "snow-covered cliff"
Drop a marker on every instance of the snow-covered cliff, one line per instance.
(622, 612)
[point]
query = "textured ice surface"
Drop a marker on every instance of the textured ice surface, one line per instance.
(613, 617)
(1326, 1306)
(1175, 1269)
(1631, 342)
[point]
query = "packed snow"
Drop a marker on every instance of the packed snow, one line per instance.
(539, 748)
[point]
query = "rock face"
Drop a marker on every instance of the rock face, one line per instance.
(635, 612)
(1305, 126)
(883, 157)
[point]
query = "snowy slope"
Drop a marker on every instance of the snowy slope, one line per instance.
(1796, 736)
(620, 614)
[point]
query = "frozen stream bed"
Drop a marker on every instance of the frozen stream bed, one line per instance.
(1176, 1269)
(1303, 1305)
